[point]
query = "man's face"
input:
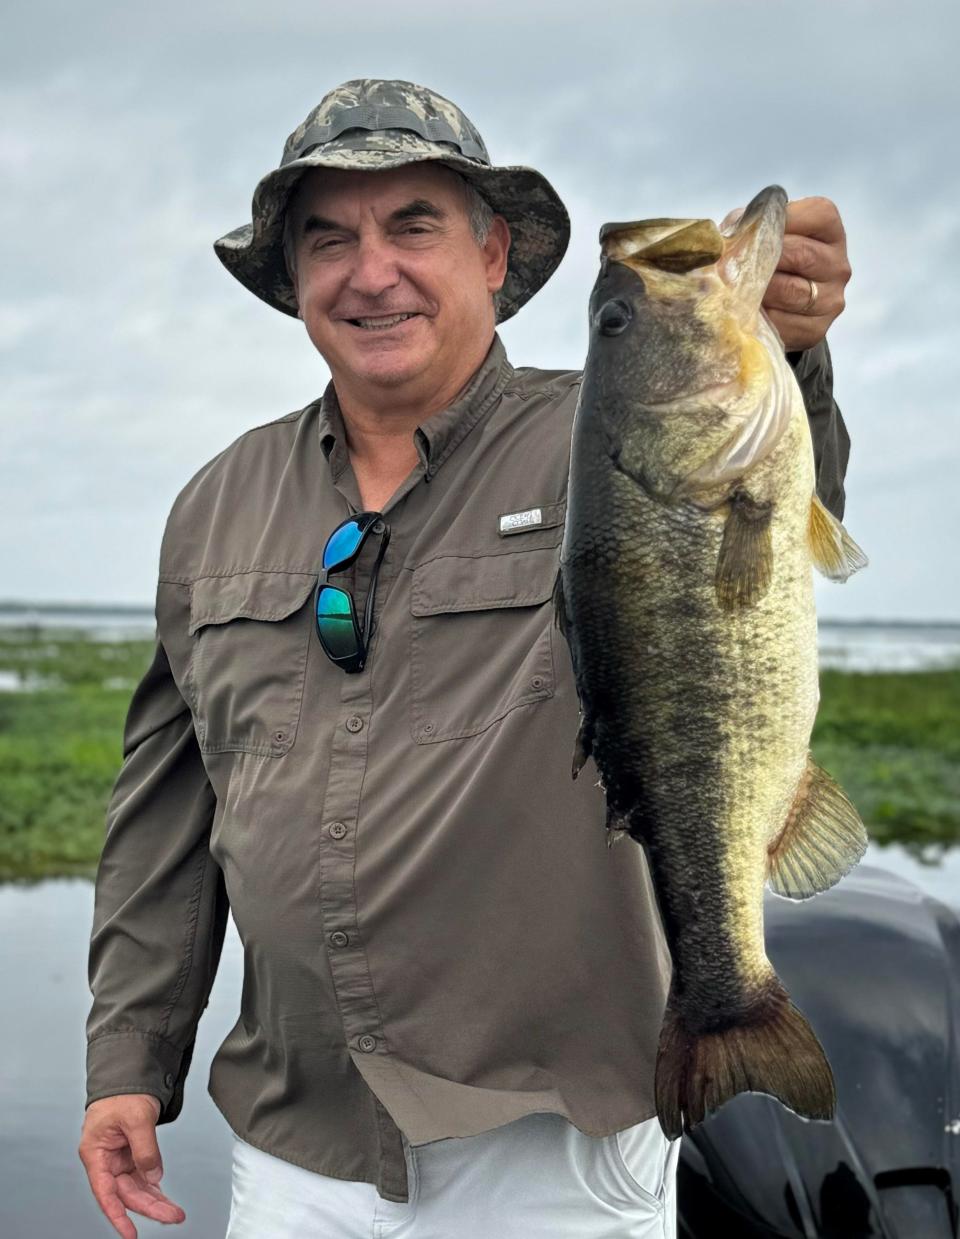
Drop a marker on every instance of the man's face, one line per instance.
(373, 245)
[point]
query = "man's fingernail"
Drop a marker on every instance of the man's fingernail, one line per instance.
(154, 1176)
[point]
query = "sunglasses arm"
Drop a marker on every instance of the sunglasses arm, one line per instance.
(368, 607)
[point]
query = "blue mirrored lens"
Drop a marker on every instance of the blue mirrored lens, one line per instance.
(341, 545)
(335, 622)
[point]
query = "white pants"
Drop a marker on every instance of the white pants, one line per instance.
(538, 1177)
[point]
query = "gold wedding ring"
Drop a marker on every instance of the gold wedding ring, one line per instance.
(814, 294)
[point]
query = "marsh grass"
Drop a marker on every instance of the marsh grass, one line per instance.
(892, 740)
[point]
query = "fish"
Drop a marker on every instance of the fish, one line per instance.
(685, 594)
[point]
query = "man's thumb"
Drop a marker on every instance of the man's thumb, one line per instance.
(146, 1152)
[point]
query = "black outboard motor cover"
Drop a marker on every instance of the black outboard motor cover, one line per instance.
(874, 964)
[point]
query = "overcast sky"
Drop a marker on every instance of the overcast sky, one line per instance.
(132, 135)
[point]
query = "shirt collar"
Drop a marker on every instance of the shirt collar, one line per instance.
(440, 433)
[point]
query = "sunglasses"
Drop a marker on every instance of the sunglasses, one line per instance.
(344, 640)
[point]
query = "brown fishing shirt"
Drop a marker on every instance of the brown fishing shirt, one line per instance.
(437, 939)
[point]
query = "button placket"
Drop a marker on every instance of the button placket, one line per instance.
(342, 941)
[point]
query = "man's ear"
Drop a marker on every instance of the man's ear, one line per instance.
(496, 248)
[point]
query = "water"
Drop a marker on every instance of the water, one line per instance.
(889, 647)
(100, 623)
(43, 1186)
(851, 646)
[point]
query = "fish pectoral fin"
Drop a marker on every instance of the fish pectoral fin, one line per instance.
(745, 562)
(834, 552)
(822, 840)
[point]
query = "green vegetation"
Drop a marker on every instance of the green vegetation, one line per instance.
(892, 740)
(60, 746)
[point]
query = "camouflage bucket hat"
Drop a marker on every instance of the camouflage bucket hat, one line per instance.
(373, 124)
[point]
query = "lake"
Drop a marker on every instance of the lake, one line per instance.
(867, 645)
(43, 1187)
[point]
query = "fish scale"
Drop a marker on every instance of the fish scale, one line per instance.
(686, 597)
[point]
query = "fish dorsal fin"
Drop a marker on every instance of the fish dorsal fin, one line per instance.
(670, 244)
(833, 550)
(822, 840)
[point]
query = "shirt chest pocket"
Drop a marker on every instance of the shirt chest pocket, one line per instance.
(481, 640)
(250, 635)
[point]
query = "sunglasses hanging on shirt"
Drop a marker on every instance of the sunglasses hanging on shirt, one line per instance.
(344, 640)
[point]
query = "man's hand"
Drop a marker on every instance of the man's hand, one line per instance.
(814, 248)
(119, 1150)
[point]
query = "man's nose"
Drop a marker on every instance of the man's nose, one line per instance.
(374, 268)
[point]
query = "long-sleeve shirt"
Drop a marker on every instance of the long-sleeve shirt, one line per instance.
(437, 938)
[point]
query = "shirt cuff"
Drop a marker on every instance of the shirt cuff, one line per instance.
(131, 1061)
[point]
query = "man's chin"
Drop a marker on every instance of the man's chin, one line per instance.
(388, 369)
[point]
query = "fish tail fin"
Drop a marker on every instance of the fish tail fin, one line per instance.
(776, 1053)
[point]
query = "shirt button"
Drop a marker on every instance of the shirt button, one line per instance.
(354, 723)
(537, 682)
(168, 1080)
(367, 1043)
(338, 829)
(339, 938)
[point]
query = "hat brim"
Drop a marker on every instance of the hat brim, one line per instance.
(538, 220)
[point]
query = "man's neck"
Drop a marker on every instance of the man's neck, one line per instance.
(380, 423)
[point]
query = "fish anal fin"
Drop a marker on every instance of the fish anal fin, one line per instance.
(745, 562)
(774, 1051)
(833, 551)
(822, 839)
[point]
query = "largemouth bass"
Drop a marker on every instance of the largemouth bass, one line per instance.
(686, 597)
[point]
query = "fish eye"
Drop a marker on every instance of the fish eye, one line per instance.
(614, 317)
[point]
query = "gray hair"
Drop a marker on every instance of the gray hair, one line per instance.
(479, 216)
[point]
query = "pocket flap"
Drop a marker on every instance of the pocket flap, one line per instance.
(248, 595)
(484, 582)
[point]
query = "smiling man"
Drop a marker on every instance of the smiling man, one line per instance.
(395, 288)
(356, 732)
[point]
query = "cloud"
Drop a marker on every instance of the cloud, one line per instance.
(131, 138)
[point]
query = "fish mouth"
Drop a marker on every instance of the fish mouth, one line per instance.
(672, 245)
(743, 255)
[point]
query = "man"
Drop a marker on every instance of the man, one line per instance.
(453, 988)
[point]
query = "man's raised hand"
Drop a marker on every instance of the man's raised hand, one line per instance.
(814, 249)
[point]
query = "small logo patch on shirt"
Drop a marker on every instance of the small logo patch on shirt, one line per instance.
(512, 522)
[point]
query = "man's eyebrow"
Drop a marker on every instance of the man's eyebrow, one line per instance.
(411, 210)
(419, 206)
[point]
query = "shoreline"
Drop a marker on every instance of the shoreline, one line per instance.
(891, 738)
